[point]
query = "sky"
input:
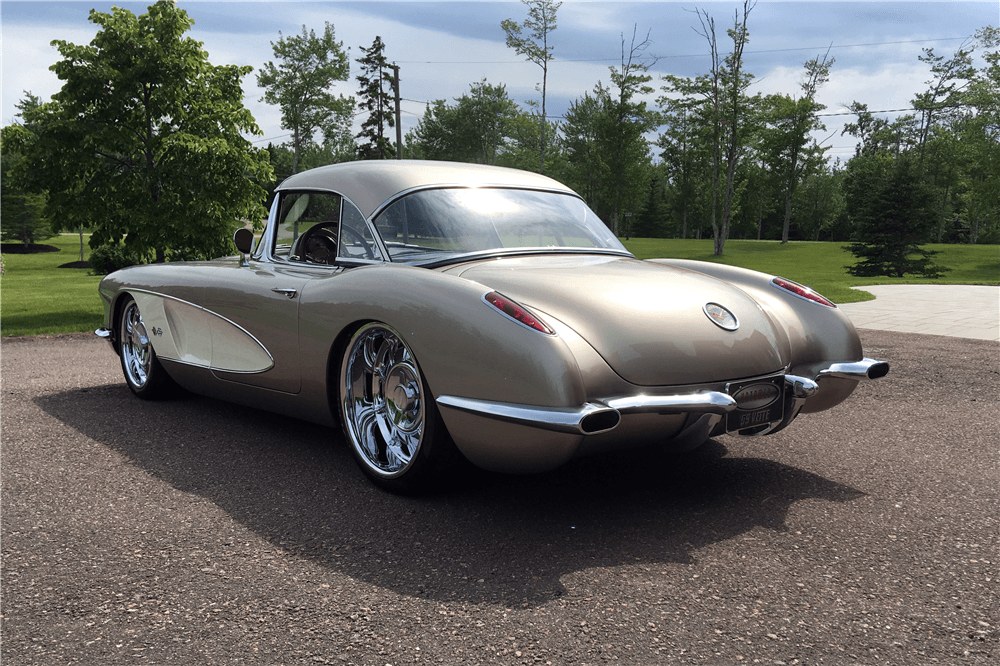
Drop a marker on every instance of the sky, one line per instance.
(443, 47)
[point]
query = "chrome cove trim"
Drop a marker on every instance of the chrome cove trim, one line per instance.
(866, 368)
(596, 418)
(228, 346)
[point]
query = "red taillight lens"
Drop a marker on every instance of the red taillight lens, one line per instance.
(516, 312)
(802, 291)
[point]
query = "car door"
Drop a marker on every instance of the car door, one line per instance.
(263, 299)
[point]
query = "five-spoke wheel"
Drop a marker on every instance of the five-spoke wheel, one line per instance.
(388, 414)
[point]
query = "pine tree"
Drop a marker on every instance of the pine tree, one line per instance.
(375, 95)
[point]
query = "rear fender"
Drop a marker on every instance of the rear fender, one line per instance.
(464, 346)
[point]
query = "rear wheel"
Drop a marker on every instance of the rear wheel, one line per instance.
(388, 414)
(144, 375)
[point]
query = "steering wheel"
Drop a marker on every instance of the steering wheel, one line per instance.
(319, 243)
(351, 231)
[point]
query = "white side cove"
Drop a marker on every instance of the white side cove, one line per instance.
(184, 332)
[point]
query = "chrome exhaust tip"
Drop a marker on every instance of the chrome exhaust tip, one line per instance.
(600, 421)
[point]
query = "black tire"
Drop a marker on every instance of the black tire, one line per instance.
(389, 416)
(144, 375)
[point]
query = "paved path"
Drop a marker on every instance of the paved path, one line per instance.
(961, 311)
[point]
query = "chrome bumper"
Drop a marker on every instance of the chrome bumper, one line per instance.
(709, 407)
(593, 418)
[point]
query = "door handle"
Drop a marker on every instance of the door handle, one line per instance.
(291, 293)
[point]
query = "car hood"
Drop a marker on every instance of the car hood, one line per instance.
(646, 320)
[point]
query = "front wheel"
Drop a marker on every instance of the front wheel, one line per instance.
(144, 375)
(388, 414)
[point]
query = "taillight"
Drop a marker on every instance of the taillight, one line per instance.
(802, 291)
(517, 313)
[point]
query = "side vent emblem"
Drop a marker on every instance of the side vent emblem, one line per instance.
(721, 317)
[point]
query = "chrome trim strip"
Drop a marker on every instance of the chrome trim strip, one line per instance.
(567, 420)
(866, 368)
(711, 402)
(214, 314)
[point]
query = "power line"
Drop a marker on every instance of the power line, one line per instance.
(684, 55)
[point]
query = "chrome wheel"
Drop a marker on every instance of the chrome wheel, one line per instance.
(136, 350)
(383, 401)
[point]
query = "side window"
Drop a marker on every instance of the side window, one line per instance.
(356, 240)
(308, 224)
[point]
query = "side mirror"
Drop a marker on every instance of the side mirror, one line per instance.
(244, 243)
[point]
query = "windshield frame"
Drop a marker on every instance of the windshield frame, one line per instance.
(459, 257)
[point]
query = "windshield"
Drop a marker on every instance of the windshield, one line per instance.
(431, 225)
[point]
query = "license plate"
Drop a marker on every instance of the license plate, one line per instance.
(758, 402)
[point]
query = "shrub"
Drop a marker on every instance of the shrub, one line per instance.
(106, 259)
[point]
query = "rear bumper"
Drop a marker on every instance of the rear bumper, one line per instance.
(527, 438)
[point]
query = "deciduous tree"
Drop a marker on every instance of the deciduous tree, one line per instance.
(790, 124)
(302, 85)
(535, 48)
(144, 142)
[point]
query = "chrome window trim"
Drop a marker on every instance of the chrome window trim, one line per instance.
(265, 248)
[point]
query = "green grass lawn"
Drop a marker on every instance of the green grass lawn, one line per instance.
(37, 297)
(821, 265)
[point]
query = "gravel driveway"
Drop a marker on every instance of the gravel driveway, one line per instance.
(195, 532)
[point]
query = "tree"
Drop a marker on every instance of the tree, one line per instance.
(725, 110)
(301, 82)
(605, 141)
(583, 136)
(144, 142)
(22, 212)
(627, 122)
(535, 48)
(376, 84)
(684, 150)
(943, 97)
(892, 210)
(791, 122)
(877, 135)
(475, 129)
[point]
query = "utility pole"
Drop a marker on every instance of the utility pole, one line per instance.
(399, 126)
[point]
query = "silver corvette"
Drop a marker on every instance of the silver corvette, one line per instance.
(439, 310)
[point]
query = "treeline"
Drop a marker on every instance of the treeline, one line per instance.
(710, 159)
(145, 145)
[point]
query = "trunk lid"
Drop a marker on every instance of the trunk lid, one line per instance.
(646, 320)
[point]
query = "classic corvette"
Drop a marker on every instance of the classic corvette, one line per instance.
(439, 310)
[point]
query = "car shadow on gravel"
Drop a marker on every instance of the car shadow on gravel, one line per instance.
(492, 539)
